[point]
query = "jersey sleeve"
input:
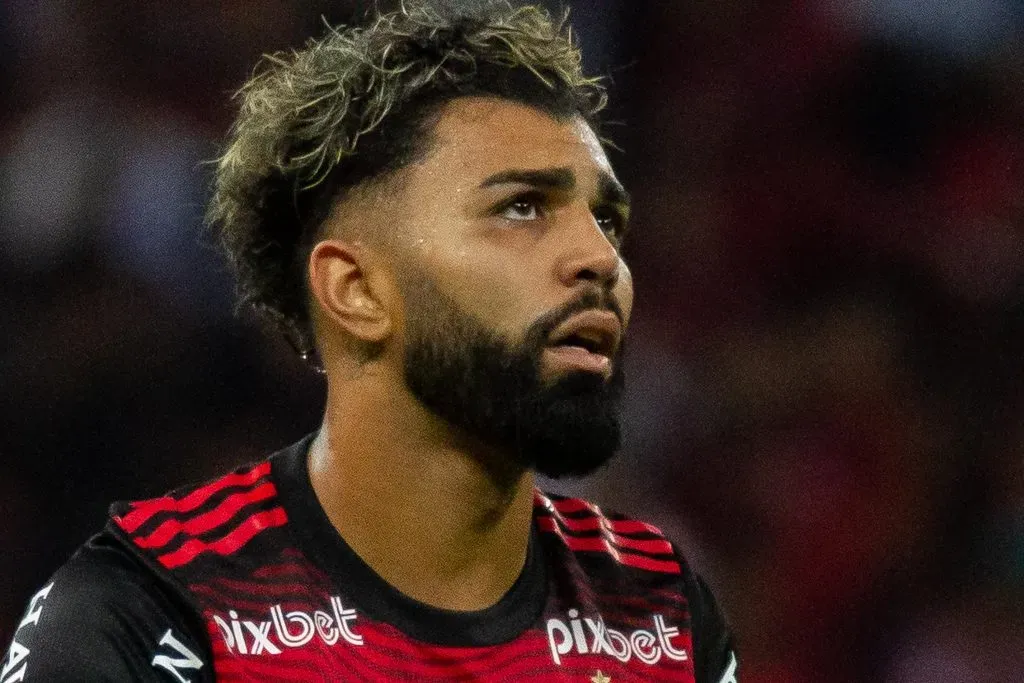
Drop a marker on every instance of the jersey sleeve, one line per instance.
(105, 617)
(714, 650)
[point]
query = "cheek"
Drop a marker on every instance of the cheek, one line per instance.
(624, 291)
(488, 286)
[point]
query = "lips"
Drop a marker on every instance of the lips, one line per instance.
(594, 331)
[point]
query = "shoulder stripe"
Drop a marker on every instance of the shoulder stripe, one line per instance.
(653, 554)
(570, 506)
(601, 544)
(651, 546)
(621, 526)
(235, 539)
(593, 520)
(144, 510)
(573, 505)
(208, 520)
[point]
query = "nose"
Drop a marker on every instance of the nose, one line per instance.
(588, 256)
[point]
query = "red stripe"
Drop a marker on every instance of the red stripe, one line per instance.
(653, 546)
(432, 663)
(391, 643)
(228, 544)
(651, 601)
(258, 599)
(624, 526)
(575, 505)
(208, 520)
(147, 508)
(600, 544)
(293, 667)
(571, 505)
(254, 606)
(250, 588)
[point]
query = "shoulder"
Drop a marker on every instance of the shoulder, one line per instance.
(104, 616)
(215, 517)
(584, 527)
(609, 539)
(123, 607)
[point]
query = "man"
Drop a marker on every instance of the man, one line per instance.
(425, 208)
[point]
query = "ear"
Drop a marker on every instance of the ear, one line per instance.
(351, 292)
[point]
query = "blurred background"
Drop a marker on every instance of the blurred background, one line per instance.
(825, 404)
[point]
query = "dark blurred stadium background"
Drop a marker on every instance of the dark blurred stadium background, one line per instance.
(825, 405)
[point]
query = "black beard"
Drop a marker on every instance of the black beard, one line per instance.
(479, 382)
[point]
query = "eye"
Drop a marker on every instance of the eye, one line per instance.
(611, 221)
(524, 207)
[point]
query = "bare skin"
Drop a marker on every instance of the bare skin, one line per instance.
(439, 515)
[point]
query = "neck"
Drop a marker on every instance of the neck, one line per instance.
(436, 514)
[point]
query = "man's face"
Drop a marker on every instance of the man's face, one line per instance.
(515, 294)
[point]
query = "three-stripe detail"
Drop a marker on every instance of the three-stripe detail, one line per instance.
(584, 528)
(220, 517)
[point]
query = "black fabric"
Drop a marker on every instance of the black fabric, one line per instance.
(713, 646)
(316, 537)
(102, 617)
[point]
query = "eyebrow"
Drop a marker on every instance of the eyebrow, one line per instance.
(561, 178)
(548, 178)
(612, 191)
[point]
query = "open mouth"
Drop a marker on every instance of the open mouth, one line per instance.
(586, 341)
(590, 344)
(581, 353)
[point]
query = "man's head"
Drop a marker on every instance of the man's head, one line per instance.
(429, 195)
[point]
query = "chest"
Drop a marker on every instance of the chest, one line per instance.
(326, 638)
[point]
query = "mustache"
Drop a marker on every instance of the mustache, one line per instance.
(590, 299)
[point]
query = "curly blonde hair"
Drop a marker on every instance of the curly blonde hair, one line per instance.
(355, 106)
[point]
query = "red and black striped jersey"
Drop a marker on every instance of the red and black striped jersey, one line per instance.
(244, 578)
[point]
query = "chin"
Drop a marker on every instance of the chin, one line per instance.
(573, 433)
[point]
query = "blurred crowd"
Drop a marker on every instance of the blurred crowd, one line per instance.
(825, 401)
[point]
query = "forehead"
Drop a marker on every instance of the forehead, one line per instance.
(478, 136)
